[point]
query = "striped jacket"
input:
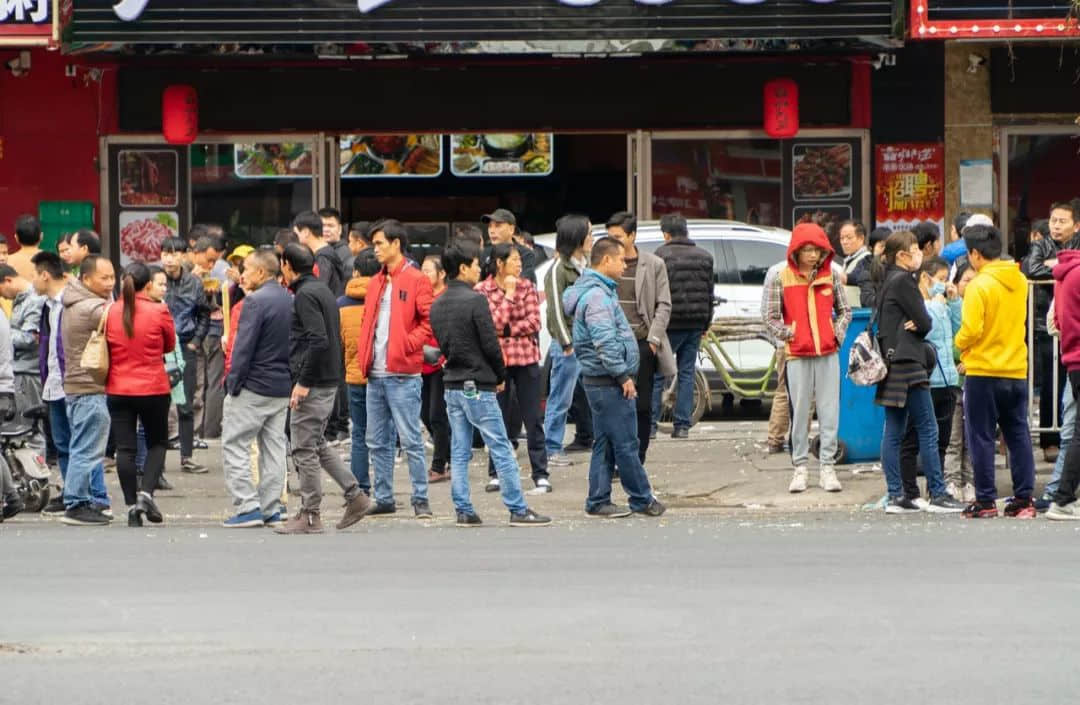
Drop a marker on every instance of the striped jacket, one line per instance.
(560, 276)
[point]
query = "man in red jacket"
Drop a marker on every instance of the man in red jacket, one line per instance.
(391, 353)
(1067, 316)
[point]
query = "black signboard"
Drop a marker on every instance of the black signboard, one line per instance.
(822, 179)
(405, 21)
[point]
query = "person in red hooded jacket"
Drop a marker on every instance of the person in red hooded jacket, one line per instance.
(806, 309)
(1067, 317)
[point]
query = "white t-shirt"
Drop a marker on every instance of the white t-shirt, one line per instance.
(382, 331)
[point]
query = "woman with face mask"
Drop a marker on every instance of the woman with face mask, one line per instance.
(903, 325)
(944, 379)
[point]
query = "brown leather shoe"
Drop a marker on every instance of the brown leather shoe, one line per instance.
(354, 511)
(434, 477)
(302, 523)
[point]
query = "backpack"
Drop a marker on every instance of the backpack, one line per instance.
(866, 365)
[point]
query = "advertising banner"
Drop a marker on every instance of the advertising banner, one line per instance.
(910, 180)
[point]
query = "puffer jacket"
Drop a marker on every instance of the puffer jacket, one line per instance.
(186, 300)
(604, 343)
(690, 276)
(351, 308)
(940, 336)
(83, 310)
(26, 330)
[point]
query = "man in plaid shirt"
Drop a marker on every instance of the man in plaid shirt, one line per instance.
(515, 310)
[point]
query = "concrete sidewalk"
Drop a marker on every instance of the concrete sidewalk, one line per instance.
(723, 467)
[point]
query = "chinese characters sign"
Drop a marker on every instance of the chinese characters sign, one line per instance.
(27, 22)
(910, 184)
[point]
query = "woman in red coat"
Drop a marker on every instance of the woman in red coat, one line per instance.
(139, 331)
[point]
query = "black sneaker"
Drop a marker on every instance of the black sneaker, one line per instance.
(945, 505)
(529, 518)
(55, 507)
(382, 509)
(1042, 504)
(578, 447)
(163, 484)
(609, 511)
(423, 510)
(199, 444)
(468, 520)
(84, 515)
(902, 505)
(654, 509)
(134, 517)
(680, 433)
(1020, 508)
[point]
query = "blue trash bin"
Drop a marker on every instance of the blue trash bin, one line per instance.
(862, 422)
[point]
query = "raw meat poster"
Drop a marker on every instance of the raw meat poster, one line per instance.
(148, 201)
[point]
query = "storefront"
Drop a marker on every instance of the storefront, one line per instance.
(1012, 141)
(434, 113)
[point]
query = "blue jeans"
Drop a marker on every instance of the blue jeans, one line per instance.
(61, 433)
(564, 375)
(393, 404)
(920, 406)
(1068, 422)
(88, 426)
(657, 397)
(685, 344)
(484, 414)
(358, 413)
(615, 444)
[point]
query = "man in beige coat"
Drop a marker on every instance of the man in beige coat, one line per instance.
(645, 298)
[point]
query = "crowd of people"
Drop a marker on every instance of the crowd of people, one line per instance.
(288, 350)
(950, 322)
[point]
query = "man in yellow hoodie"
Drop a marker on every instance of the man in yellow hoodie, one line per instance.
(994, 356)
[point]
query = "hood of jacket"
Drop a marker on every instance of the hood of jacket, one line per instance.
(810, 234)
(1068, 260)
(1007, 274)
(357, 287)
(76, 292)
(588, 281)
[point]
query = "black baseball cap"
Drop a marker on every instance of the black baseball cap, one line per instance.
(499, 215)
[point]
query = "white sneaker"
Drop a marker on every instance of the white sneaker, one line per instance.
(798, 480)
(954, 491)
(921, 504)
(827, 479)
(492, 485)
(969, 493)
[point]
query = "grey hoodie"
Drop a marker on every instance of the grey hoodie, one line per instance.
(25, 327)
(83, 310)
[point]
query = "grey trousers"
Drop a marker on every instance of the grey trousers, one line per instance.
(810, 381)
(214, 390)
(253, 417)
(310, 453)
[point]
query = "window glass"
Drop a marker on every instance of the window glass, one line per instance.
(753, 258)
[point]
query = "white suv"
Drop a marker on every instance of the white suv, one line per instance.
(742, 254)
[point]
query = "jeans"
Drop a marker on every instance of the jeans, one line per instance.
(358, 461)
(524, 381)
(393, 404)
(1068, 423)
(990, 402)
(1070, 477)
(564, 375)
(920, 407)
(685, 345)
(659, 383)
(944, 403)
(128, 413)
(88, 423)
(251, 417)
(615, 443)
(484, 414)
(310, 452)
(433, 414)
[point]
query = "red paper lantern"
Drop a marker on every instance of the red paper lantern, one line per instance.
(781, 108)
(180, 114)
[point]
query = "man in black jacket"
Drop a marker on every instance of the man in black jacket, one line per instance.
(315, 360)
(690, 277)
(258, 388)
(308, 226)
(474, 373)
(186, 300)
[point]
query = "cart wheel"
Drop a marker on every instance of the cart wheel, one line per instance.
(701, 401)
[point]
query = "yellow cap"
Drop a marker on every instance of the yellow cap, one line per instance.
(241, 252)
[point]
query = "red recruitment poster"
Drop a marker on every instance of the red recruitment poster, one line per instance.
(910, 179)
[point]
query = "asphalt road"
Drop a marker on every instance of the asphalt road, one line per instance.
(696, 608)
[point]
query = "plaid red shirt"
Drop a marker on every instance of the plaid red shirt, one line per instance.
(517, 320)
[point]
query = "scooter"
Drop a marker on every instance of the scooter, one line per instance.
(28, 469)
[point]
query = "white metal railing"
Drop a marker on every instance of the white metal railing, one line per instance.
(1055, 425)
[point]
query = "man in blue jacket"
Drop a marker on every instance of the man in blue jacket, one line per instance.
(607, 352)
(257, 395)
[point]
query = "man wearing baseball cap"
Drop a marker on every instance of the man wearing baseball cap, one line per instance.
(502, 225)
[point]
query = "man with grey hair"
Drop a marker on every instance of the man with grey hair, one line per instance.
(258, 386)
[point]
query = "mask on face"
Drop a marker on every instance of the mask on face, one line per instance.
(937, 289)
